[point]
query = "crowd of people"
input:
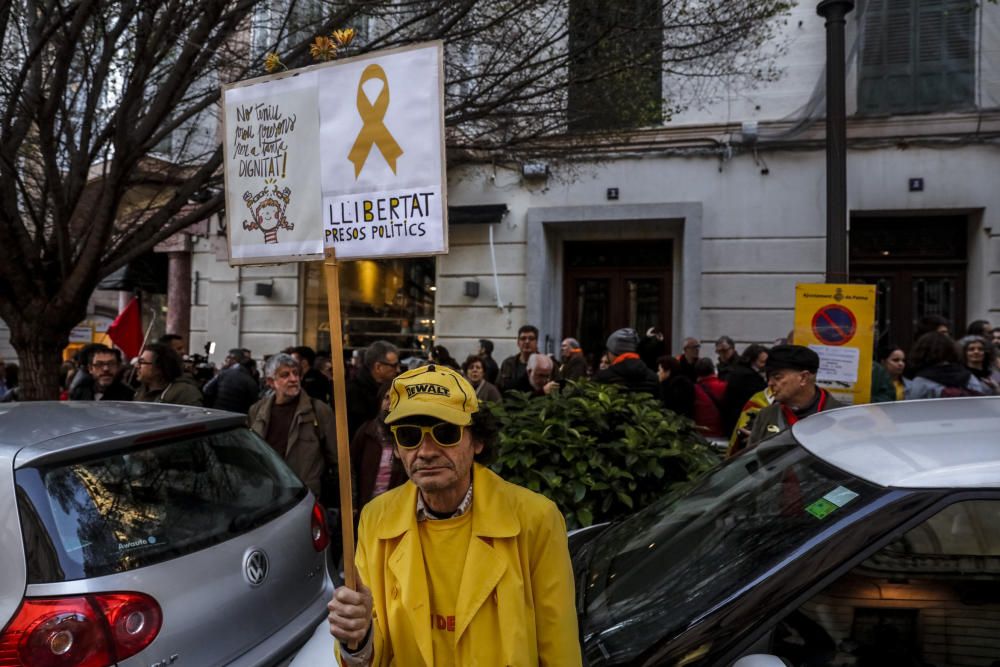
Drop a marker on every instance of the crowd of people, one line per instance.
(729, 397)
(423, 420)
(722, 395)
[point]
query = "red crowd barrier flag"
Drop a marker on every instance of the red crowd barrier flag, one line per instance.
(126, 330)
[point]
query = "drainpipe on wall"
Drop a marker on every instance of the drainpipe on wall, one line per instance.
(236, 308)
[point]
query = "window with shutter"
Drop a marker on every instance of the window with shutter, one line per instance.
(615, 67)
(917, 56)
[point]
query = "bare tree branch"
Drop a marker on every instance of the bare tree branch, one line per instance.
(109, 108)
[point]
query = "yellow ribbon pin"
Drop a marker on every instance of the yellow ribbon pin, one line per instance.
(373, 132)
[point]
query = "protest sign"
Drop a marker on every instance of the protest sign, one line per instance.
(272, 182)
(383, 166)
(347, 155)
(343, 160)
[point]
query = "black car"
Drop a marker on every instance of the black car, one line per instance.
(867, 535)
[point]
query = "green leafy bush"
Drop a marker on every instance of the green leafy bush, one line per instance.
(596, 451)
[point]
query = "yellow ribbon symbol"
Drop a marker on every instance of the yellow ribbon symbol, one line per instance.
(373, 132)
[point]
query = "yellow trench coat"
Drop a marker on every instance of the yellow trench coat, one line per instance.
(516, 599)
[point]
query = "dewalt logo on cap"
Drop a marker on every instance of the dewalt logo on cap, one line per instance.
(427, 388)
(432, 391)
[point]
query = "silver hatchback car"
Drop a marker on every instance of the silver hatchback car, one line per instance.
(141, 534)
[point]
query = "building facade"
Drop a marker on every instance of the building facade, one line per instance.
(700, 226)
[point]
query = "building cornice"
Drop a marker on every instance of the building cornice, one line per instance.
(791, 134)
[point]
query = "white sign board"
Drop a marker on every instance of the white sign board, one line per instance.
(81, 334)
(837, 365)
(346, 155)
(272, 177)
(383, 155)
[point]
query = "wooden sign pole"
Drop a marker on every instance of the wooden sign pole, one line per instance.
(331, 273)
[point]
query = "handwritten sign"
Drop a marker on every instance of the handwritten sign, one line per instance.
(346, 155)
(383, 174)
(273, 200)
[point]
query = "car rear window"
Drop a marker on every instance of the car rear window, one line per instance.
(117, 512)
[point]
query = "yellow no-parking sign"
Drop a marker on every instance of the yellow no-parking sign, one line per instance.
(838, 322)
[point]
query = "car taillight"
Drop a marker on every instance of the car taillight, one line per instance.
(134, 619)
(320, 536)
(83, 631)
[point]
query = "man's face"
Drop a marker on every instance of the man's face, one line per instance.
(760, 361)
(786, 383)
(103, 368)
(527, 343)
(539, 376)
(178, 346)
(386, 368)
(285, 384)
(724, 351)
(434, 468)
(146, 371)
(302, 361)
(565, 348)
(692, 349)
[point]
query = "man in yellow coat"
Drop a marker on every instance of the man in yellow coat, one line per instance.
(462, 568)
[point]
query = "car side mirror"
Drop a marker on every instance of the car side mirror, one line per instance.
(760, 660)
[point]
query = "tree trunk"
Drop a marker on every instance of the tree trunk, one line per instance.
(39, 353)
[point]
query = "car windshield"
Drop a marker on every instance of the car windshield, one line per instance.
(115, 512)
(649, 577)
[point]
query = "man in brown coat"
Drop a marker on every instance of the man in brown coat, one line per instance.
(298, 427)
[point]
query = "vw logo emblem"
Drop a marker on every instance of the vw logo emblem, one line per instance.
(255, 567)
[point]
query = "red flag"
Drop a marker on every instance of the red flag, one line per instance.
(126, 330)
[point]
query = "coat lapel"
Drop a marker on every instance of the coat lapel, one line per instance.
(262, 418)
(406, 563)
(302, 412)
(492, 518)
(483, 569)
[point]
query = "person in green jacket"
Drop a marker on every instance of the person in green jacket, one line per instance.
(161, 377)
(457, 566)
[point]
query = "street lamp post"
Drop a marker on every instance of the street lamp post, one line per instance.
(835, 11)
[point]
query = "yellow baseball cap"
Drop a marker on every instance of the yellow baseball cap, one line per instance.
(432, 391)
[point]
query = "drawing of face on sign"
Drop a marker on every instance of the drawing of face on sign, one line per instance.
(269, 214)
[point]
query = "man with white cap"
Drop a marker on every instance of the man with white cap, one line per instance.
(458, 567)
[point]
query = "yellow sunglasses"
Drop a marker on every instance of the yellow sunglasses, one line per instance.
(409, 436)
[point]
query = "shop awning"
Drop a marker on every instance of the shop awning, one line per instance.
(148, 273)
